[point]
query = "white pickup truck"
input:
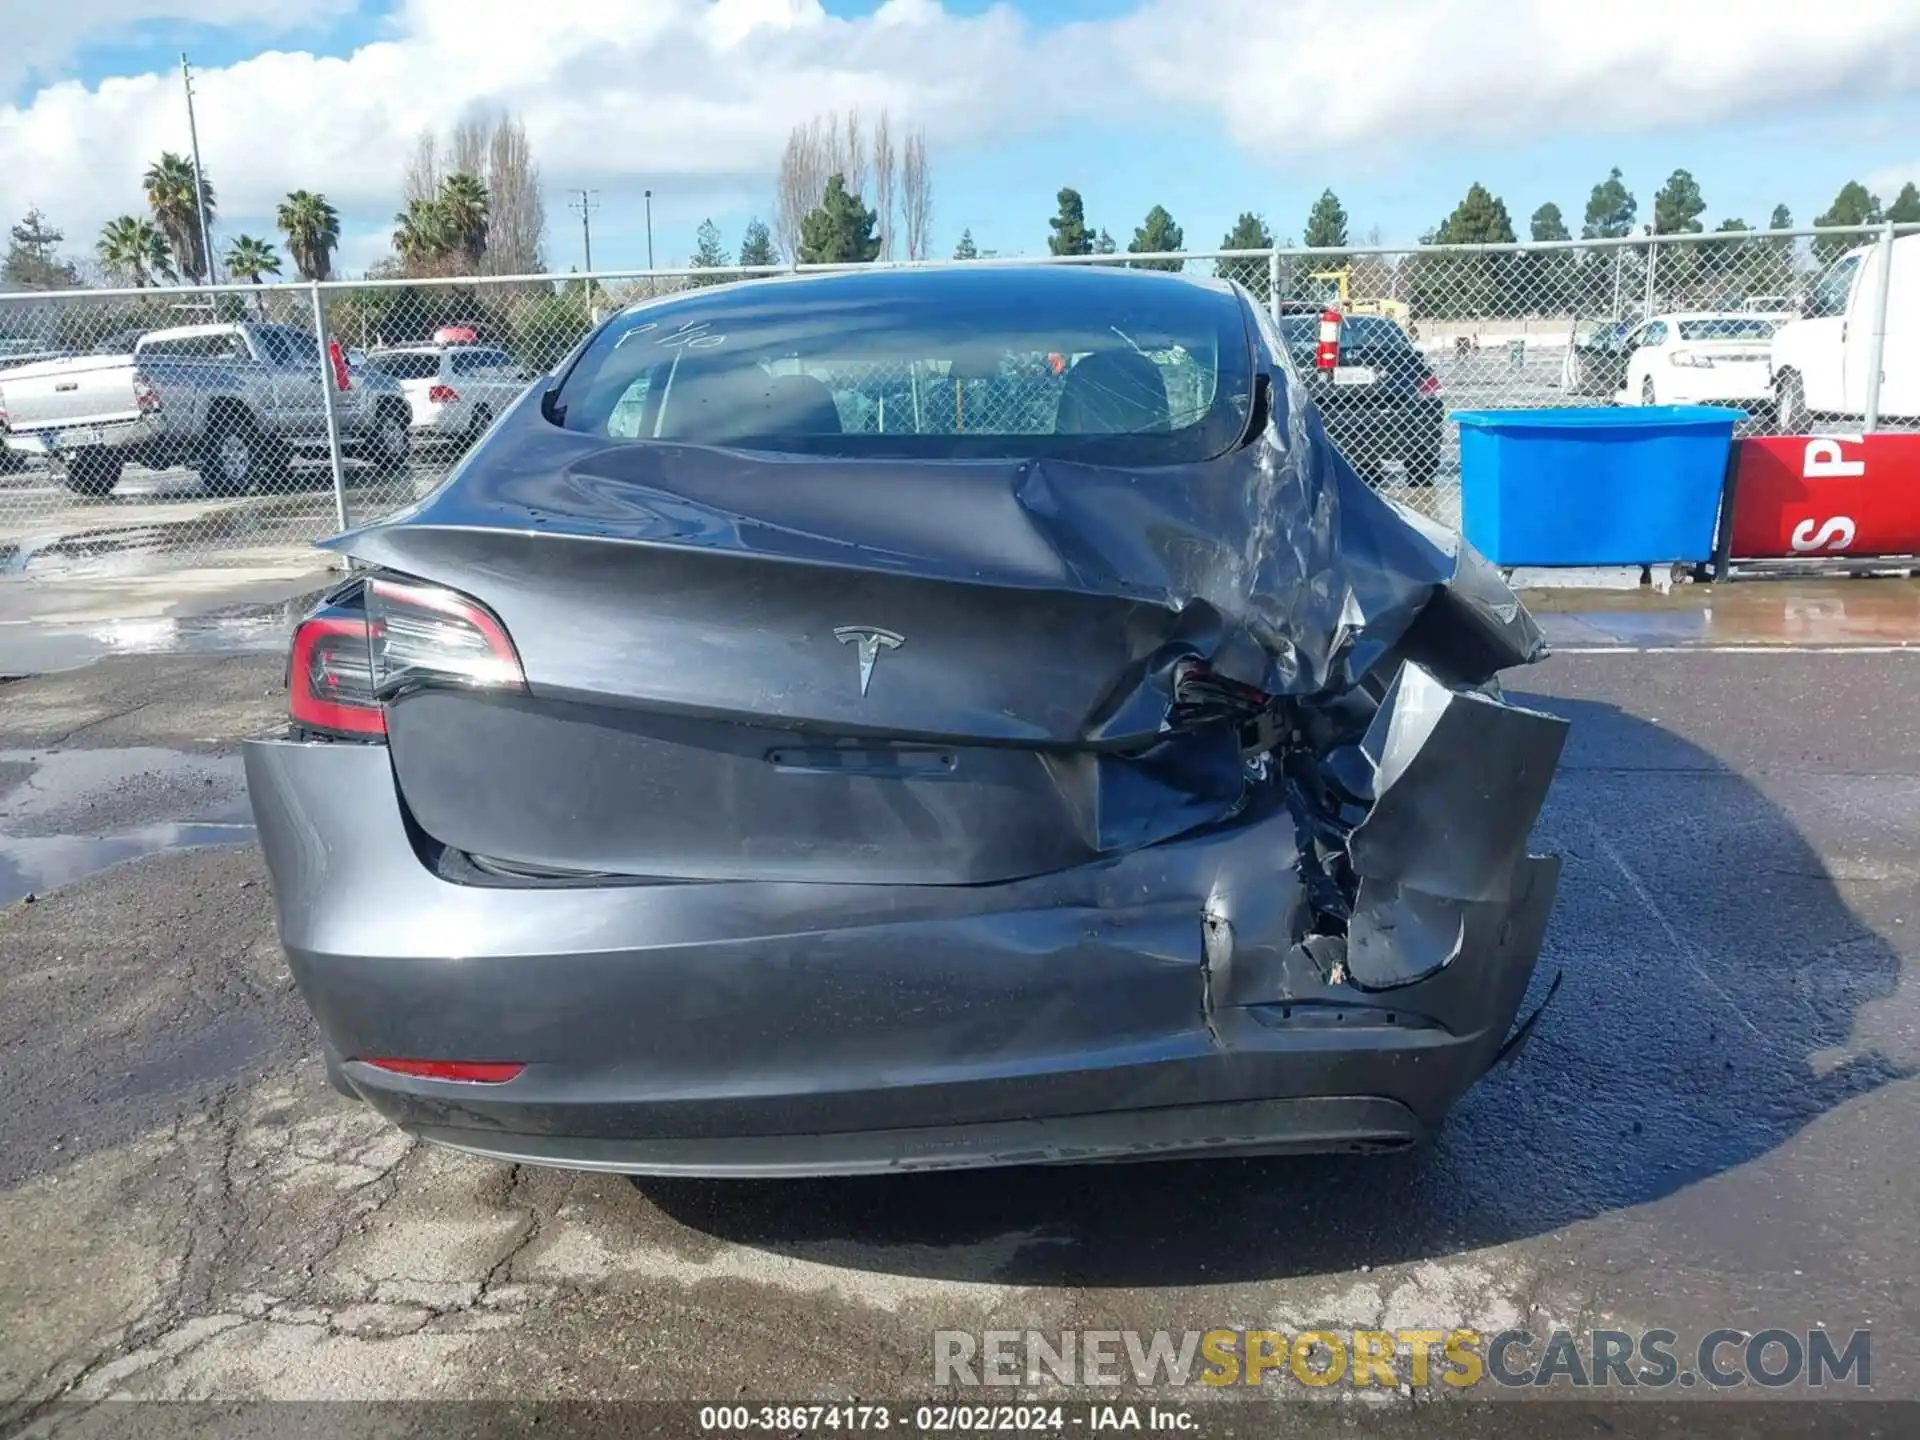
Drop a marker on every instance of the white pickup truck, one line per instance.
(232, 401)
(1821, 362)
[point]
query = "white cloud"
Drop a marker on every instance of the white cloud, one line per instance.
(1886, 183)
(43, 35)
(620, 93)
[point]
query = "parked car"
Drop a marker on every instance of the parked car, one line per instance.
(453, 391)
(1596, 359)
(1820, 363)
(1381, 402)
(233, 401)
(1698, 358)
(910, 719)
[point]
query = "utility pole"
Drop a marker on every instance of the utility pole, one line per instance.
(586, 202)
(199, 184)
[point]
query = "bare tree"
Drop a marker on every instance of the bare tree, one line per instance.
(851, 159)
(421, 179)
(517, 213)
(885, 174)
(805, 165)
(467, 145)
(916, 195)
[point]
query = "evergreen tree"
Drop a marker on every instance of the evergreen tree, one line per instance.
(1854, 205)
(708, 254)
(1480, 219)
(1157, 233)
(1249, 232)
(1678, 206)
(756, 245)
(1611, 209)
(1472, 285)
(1905, 209)
(1546, 281)
(966, 250)
(31, 263)
(1103, 244)
(840, 230)
(1326, 223)
(1069, 226)
(1549, 224)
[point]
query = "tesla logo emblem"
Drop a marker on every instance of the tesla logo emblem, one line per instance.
(871, 643)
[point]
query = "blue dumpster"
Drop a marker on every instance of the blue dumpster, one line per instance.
(1602, 486)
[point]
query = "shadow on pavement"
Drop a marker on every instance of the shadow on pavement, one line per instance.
(1686, 1041)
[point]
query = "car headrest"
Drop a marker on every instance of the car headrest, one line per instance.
(746, 403)
(1113, 392)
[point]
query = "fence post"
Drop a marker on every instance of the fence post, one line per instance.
(1273, 285)
(1877, 342)
(1653, 264)
(326, 404)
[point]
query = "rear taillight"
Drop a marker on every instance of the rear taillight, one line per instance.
(428, 635)
(330, 678)
(1430, 387)
(346, 664)
(442, 394)
(145, 398)
(473, 1072)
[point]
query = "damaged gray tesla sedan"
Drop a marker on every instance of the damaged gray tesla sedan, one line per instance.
(910, 719)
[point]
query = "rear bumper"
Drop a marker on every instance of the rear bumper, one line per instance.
(804, 1028)
(1749, 385)
(127, 435)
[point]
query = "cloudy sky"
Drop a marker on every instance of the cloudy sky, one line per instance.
(1206, 106)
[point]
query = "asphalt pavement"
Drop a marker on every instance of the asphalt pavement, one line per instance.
(1714, 1125)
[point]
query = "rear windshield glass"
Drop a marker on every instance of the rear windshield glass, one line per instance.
(1726, 329)
(405, 366)
(931, 364)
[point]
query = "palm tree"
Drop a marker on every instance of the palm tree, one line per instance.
(132, 250)
(420, 233)
(312, 228)
(248, 259)
(171, 198)
(462, 203)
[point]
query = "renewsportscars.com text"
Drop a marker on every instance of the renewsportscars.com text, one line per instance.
(1770, 1359)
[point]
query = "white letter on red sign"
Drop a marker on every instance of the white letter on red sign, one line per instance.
(1824, 460)
(1833, 534)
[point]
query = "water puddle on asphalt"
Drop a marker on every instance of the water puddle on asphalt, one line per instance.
(122, 800)
(32, 865)
(38, 649)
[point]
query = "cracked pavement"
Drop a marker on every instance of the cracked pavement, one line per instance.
(1714, 1125)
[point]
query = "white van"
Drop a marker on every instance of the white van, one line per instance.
(1820, 362)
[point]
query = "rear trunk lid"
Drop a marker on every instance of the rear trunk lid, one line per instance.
(749, 668)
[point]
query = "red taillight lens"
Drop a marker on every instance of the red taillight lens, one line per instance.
(1430, 387)
(347, 664)
(442, 394)
(425, 635)
(330, 678)
(145, 398)
(473, 1072)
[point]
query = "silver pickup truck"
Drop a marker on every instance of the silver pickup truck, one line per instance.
(232, 401)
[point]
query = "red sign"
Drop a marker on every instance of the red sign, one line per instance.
(1809, 495)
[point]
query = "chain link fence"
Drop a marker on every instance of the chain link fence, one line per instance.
(234, 425)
